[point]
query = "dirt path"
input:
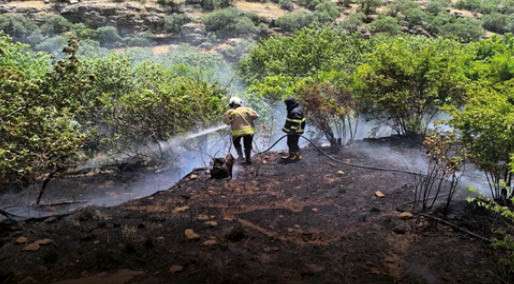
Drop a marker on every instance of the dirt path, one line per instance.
(309, 222)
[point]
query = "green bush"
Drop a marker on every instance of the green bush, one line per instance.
(52, 116)
(286, 5)
(485, 124)
(487, 6)
(305, 53)
(229, 22)
(327, 11)
(173, 23)
(414, 16)
(498, 23)
(407, 79)
(35, 38)
(55, 24)
(137, 40)
(295, 21)
(368, 7)
(81, 31)
(17, 26)
(108, 36)
(309, 4)
(385, 24)
(435, 7)
(215, 4)
(39, 132)
(352, 23)
(462, 28)
(53, 45)
(20, 58)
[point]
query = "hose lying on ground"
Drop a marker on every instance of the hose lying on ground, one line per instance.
(340, 161)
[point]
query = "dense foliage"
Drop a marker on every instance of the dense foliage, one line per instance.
(50, 32)
(54, 114)
(313, 65)
(230, 22)
(406, 80)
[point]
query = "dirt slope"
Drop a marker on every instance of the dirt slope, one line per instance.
(308, 222)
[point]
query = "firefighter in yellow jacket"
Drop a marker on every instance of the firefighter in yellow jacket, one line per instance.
(241, 120)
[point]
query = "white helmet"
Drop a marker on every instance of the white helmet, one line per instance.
(235, 101)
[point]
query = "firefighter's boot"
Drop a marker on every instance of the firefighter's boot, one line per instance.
(240, 156)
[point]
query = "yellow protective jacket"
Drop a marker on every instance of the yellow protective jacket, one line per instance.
(241, 120)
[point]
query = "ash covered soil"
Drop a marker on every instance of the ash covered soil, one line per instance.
(310, 222)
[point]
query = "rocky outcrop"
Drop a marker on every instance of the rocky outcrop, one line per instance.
(194, 33)
(128, 17)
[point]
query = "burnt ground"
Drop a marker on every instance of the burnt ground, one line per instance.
(308, 222)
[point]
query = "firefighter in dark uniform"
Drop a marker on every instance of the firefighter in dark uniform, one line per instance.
(294, 127)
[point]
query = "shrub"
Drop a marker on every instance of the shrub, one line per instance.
(327, 11)
(304, 53)
(90, 48)
(487, 7)
(229, 22)
(20, 58)
(414, 16)
(17, 26)
(108, 36)
(352, 23)
(346, 3)
(137, 40)
(35, 38)
(295, 21)
(286, 5)
(55, 24)
(407, 79)
(385, 24)
(498, 23)
(485, 124)
(53, 45)
(309, 4)
(215, 4)
(445, 159)
(173, 23)
(464, 29)
(81, 31)
(368, 7)
(39, 132)
(330, 107)
(53, 115)
(435, 7)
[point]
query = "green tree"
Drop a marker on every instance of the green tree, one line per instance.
(486, 126)
(305, 53)
(313, 66)
(405, 80)
(40, 134)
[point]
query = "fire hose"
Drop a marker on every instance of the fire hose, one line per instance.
(338, 160)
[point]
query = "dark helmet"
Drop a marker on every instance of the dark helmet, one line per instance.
(291, 103)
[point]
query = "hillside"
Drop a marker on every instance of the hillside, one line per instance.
(213, 24)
